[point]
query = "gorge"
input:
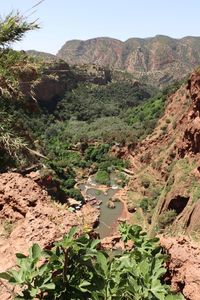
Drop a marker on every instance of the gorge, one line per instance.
(95, 162)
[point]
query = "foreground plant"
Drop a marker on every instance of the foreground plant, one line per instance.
(76, 269)
(13, 27)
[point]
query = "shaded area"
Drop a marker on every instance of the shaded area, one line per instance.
(178, 204)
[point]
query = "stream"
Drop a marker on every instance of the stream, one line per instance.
(108, 216)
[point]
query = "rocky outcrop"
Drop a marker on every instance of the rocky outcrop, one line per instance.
(17, 195)
(115, 242)
(184, 265)
(47, 84)
(158, 60)
(110, 204)
(92, 73)
(191, 137)
(53, 77)
(28, 215)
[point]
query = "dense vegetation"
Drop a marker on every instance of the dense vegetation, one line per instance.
(104, 111)
(89, 102)
(76, 268)
(80, 133)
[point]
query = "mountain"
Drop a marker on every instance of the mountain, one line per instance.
(43, 55)
(158, 60)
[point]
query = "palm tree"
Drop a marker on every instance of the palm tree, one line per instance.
(13, 27)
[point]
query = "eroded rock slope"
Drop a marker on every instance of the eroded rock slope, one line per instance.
(166, 166)
(28, 215)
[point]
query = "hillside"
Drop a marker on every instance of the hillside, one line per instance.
(166, 167)
(43, 55)
(158, 60)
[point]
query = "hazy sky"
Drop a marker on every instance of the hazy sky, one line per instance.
(63, 20)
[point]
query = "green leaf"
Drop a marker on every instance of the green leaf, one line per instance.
(175, 297)
(102, 261)
(94, 243)
(24, 263)
(35, 251)
(20, 255)
(33, 292)
(158, 290)
(83, 286)
(5, 275)
(15, 277)
(42, 269)
(72, 232)
(48, 286)
(144, 267)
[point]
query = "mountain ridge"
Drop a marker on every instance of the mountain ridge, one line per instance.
(135, 38)
(158, 60)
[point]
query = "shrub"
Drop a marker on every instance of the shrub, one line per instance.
(74, 268)
(8, 227)
(146, 157)
(102, 177)
(145, 182)
(166, 218)
(75, 193)
(69, 183)
(98, 153)
(174, 125)
(144, 204)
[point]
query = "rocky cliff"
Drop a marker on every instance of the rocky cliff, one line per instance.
(183, 268)
(165, 185)
(54, 77)
(28, 215)
(158, 60)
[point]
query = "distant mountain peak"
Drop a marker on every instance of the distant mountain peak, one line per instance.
(158, 60)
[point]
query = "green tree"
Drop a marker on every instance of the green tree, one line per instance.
(13, 27)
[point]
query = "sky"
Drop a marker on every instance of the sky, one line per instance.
(63, 20)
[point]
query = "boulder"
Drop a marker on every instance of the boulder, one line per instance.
(111, 204)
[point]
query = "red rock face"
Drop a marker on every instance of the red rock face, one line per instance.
(18, 195)
(191, 137)
(184, 265)
(35, 218)
(160, 59)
